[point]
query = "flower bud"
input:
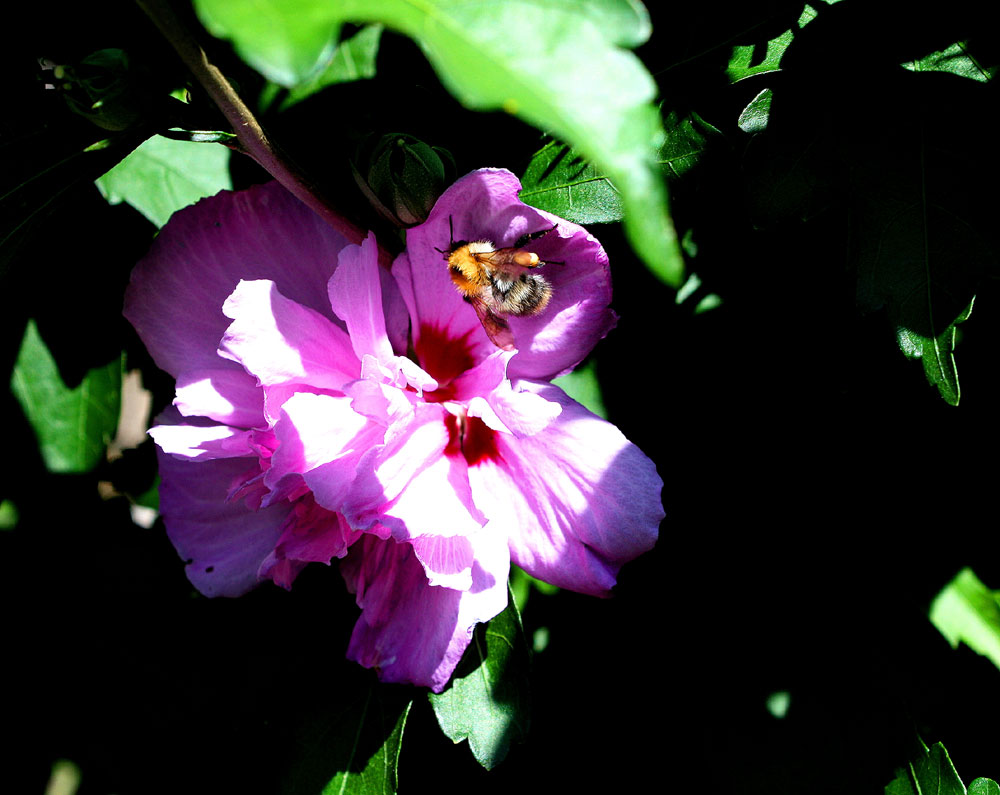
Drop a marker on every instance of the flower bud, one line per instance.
(404, 177)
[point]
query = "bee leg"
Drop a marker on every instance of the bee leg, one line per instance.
(523, 239)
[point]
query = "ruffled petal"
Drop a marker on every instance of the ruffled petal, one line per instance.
(484, 205)
(227, 394)
(177, 290)
(412, 631)
(282, 342)
(411, 486)
(222, 541)
(310, 534)
(320, 431)
(577, 500)
(197, 439)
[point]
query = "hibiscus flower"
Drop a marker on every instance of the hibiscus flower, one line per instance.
(327, 408)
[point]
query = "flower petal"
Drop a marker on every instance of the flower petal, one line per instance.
(578, 500)
(281, 342)
(412, 631)
(310, 534)
(195, 439)
(177, 290)
(411, 486)
(485, 205)
(227, 394)
(222, 541)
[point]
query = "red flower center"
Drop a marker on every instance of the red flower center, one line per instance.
(471, 438)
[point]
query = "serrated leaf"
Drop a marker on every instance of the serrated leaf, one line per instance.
(556, 65)
(687, 139)
(488, 701)
(930, 773)
(164, 175)
(353, 748)
(955, 59)
(747, 60)
(966, 611)
(560, 181)
(984, 786)
(73, 426)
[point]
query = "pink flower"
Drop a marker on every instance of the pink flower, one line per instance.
(302, 431)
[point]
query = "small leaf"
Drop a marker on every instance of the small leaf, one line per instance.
(556, 66)
(73, 426)
(164, 175)
(748, 60)
(488, 701)
(966, 611)
(984, 786)
(931, 772)
(937, 354)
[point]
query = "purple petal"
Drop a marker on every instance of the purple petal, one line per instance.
(177, 290)
(222, 541)
(200, 441)
(577, 500)
(411, 485)
(227, 394)
(311, 535)
(282, 342)
(412, 631)
(320, 431)
(484, 205)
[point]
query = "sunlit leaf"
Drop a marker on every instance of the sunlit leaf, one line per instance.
(73, 426)
(488, 702)
(561, 182)
(955, 59)
(164, 175)
(558, 66)
(984, 786)
(966, 611)
(748, 60)
(354, 59)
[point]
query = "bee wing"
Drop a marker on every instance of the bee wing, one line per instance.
(496, 327)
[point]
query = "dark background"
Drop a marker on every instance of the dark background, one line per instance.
(818, 491)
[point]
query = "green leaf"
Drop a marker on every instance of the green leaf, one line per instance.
(352, 747)
(354, 59)
(561, 182)
(937, 353)
(582, 385)
(488, 702)
(164, 175)
(966, 611)
(955, 59)
(556, 65)
(747, 60)
(984, 786)
(688, 138)
(73, 426)
(930, 773)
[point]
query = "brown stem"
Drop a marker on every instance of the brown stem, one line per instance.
(248, 131)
